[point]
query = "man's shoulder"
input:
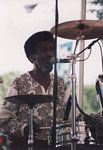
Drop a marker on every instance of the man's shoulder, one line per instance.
(22, 76)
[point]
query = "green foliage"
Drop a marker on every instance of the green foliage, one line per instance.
(96, 2)
(90, 102)
(99, 12)
(8, 77)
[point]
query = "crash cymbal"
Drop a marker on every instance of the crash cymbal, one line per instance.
(85, 29)
(30, 99)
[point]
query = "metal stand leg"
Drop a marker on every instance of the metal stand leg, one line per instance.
(30, 137)
(74, 134)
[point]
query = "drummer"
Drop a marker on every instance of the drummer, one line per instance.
(39, 49)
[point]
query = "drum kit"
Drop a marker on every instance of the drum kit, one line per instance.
(65, 133)
(78, 30)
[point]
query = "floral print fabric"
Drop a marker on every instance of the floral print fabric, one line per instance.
(42, 113)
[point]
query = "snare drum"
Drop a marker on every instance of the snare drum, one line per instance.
(63, 136)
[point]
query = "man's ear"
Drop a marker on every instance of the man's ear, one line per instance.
(33, 58)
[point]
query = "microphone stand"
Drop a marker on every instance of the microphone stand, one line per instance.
(74, 137)
(30, 137)
(55, 85)
(73, 77)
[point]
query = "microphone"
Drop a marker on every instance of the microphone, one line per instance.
(52, 60)
(92, 43)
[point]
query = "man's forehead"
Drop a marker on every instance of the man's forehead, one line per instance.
(45, 44)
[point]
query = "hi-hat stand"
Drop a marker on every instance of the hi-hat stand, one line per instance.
(30, 136)
(74, 137)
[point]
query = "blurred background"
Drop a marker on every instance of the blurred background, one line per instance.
(21, 18)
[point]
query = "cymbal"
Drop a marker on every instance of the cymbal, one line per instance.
(84, 29)
(30, 99)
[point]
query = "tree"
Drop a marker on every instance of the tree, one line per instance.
(90, 102)
(8, 77)
(99, 9)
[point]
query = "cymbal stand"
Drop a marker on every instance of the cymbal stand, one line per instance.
(73, 77)
(74, 56)
(30, 136)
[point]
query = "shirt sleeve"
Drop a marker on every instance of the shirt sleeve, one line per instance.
(13, 89)
(8, 117)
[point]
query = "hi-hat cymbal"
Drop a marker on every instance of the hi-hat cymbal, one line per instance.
(30, 99)
(85, 29)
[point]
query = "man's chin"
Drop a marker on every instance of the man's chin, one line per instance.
(47, 70)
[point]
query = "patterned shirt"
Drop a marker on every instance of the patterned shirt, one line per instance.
(42, 113)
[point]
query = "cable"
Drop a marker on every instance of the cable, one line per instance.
(101, 54)
(89, 46)
(91, 50)
(87, 56)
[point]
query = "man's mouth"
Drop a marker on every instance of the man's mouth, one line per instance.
(47, 62)
(47, 65)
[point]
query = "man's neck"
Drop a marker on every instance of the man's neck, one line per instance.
(41, 77)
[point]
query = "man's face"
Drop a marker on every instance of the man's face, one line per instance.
(101, 78)
(44, 52)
